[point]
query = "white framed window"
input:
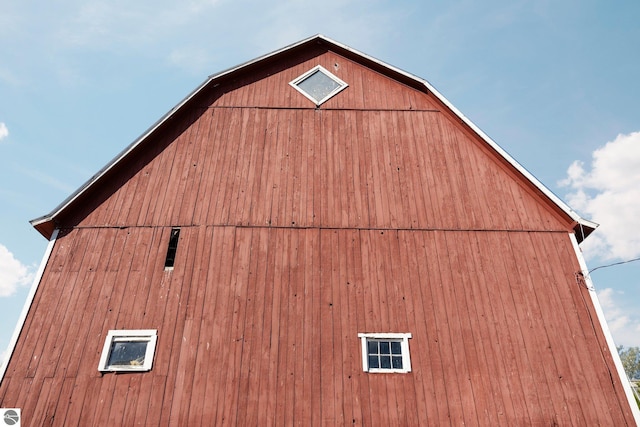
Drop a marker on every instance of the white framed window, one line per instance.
(318, 84)
(385, 352)
(129, 350)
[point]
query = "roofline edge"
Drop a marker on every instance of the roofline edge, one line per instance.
(40, 223)
(4, 364)
(606, 331)
(580, 222)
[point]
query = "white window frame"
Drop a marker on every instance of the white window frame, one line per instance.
(146, 335)
(392, 336)
(295, 82)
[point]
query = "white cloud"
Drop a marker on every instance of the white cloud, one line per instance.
(608, 192)
(4, 131)
(624, 324)
(13, 273)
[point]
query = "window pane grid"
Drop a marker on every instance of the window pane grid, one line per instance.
(384, 354)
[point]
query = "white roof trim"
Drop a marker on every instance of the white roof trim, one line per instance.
(611, 346)
(149, 131)
(555, 199)
(27, 305)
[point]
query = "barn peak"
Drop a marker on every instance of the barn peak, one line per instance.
(47, 223)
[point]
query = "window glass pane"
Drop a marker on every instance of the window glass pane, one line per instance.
(373, 362)
(318, 85)
(385, 353)
(127, 353)
(397, 362)
(385, 362)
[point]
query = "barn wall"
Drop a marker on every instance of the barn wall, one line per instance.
(321, 168)
(302, 227)
(380, 154)
(259, 325)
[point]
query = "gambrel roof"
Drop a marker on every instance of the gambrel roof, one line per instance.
(310, 227)
(47, 223)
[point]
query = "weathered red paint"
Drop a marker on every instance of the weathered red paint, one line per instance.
(300, 227)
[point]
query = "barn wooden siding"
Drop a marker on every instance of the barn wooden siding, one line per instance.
(258, 326)
(300, 228)
(398, 163)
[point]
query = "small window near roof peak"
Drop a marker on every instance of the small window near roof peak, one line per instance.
(318, 84)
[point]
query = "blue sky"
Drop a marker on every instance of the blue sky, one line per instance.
(555, 83)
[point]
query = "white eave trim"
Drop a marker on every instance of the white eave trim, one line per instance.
(27, 304)
(622, 376)
(116, 160)
(555, 199)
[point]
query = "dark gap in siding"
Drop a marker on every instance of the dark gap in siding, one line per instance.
(171, 249)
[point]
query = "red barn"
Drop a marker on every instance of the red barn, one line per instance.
(314, 238)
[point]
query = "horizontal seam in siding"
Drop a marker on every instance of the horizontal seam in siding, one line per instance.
(316, 227)
(312, 108)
